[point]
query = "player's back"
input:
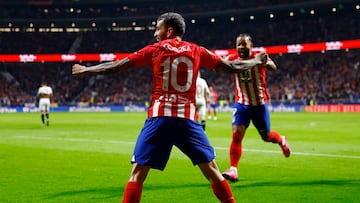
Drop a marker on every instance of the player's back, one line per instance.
(175, 65)
(45, 92)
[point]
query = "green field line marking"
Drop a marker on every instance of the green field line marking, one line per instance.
(217, 148)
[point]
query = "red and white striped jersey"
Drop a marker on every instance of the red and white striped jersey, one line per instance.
(175, 65)
(213, 96)
(250, 86)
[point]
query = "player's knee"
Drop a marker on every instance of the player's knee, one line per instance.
(264, 136)
(240, 129)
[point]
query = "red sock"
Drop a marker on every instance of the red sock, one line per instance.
(236, 149)
(132, 192)
(274, 137)
(223, 191)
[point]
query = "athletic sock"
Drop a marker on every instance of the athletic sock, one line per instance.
(47, 119)
(274, 137)
(236, 149)
(132, 192)
(223, 191)
(42, 118)
(203, 124)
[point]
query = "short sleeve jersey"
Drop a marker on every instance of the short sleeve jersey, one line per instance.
(45, 90)
(213, 96)
(250, 86)
(202, 90)
(175, 65)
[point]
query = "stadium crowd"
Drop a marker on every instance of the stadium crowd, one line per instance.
(330, 77)
(110, 8)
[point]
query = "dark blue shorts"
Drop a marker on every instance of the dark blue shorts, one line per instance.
(259, 115)
(160, 134)
(214, 106)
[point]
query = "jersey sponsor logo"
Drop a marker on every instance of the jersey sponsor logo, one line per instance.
(27, 57)
(177, 49)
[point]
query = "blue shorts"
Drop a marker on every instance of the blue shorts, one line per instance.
(160, 134)
(259, 115)
(214, 106)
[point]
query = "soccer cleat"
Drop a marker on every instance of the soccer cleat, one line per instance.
(47, 123)
(230, 175)
(285, 147)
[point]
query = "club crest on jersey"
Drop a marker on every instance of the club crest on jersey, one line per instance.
(177, 49)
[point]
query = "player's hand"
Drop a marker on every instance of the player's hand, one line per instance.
(261, 57)
(78, 69)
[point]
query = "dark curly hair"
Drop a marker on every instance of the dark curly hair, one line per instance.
(174, 20)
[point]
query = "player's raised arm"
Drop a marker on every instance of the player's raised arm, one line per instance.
(270, 65)
(104, 68)
(237, 66)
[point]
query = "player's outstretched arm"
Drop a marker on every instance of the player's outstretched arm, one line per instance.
(270, 65)
(237, 66)
(104, 68)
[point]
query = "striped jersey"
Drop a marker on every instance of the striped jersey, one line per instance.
(250, 86)
(175, 65)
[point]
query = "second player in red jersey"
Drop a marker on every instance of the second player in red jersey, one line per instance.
(250, 86)
(251, 105)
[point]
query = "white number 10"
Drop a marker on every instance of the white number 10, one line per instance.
(174, 73)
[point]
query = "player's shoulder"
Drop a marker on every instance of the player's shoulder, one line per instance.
(202, 80)
(191, 43)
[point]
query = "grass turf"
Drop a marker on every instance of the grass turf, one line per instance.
(84, 157)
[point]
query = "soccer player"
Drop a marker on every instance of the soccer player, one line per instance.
(251, 104)
(202, 98)
(172, 112)
(44, 94)
(214, 104)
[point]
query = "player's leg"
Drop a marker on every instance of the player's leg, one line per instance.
(261, 121)
(202, 115)
(240, 121)
(42, 111)
(197, 147)
(219, 185)
(215, 111)
(47, 110)
(133, 188)
(209, 111)
(152, 150)
(42, 118)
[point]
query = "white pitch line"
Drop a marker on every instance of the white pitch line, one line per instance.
(217, 148)
(76, 140)
(297, 153)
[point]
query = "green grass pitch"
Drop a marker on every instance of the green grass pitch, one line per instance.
(85, 157)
